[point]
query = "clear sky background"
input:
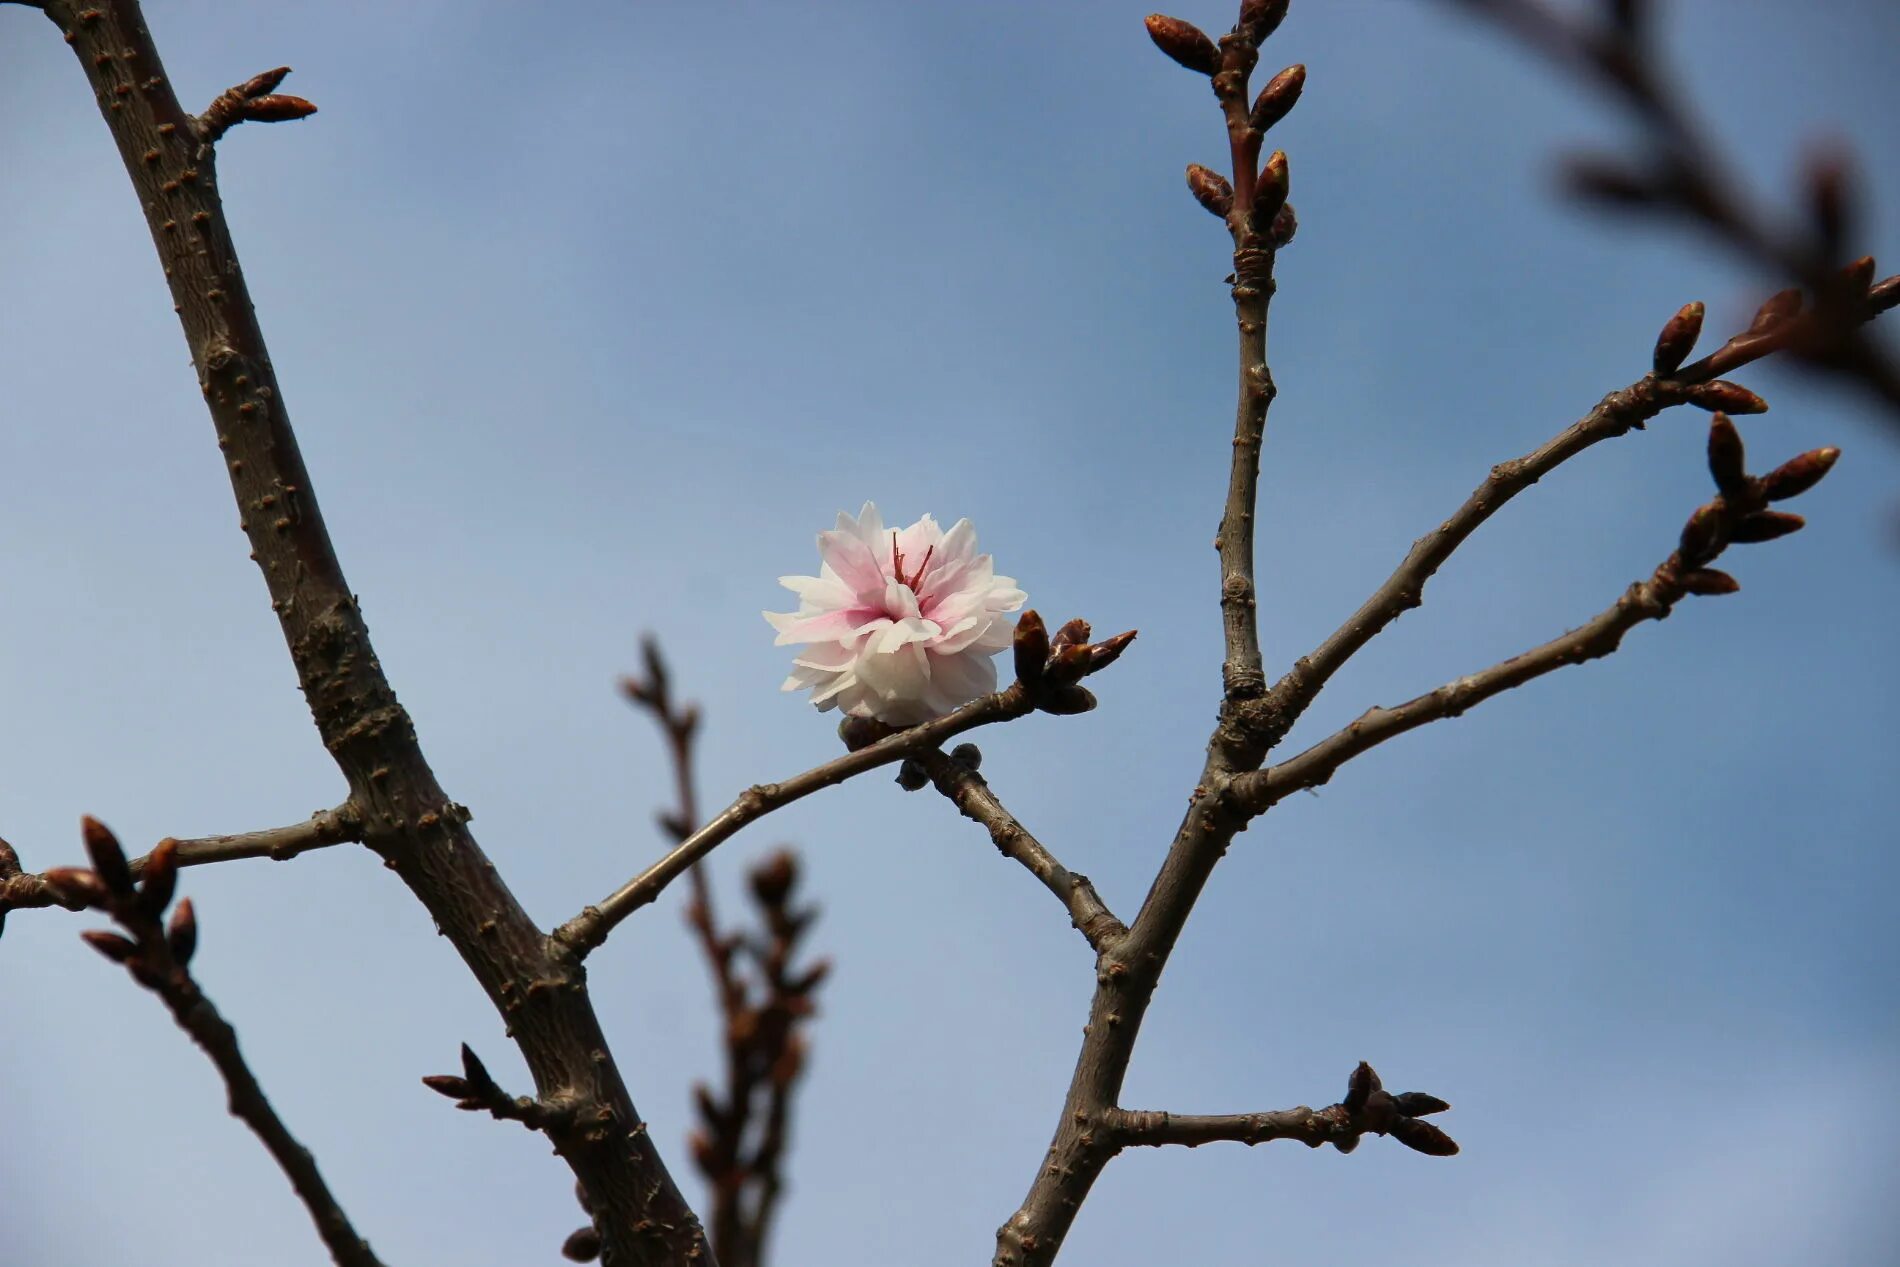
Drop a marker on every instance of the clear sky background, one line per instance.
(591, 315)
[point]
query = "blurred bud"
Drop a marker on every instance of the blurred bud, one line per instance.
(107, 858)
(114, 947)
(1423, 1137)
(1359, 1088)
(1765, 526)
(709, 1111)
(1726, 457)
(967, 755)
(76, 884)
(276, 109)
(1210, 189)
(1798, 474)
(582, 1246)
(1260, 18)
(1280, 95)
(1678, 338)
(1607, 181)
(1031, 646)
(181, 935)
(159, 877)
(1418, 1104)
(1777, 308)
(789, 1063)
(862, 732)
(1068, 664)
(1285, 225)
(1067, 701)
(1830, 199)
(1885, 294)
(1709, 582)
(1859, 275)
(1184, 42)
(1701, 536)
(1728, 397)
(1106, 652)
(774, 878)
(811, 978)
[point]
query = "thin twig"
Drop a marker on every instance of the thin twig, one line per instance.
(1368, 1109)
(957, 778)
(580, 935)
(158, 956)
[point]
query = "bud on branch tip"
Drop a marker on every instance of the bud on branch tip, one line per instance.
(1184, 42)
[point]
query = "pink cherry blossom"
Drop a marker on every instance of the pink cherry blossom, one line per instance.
(899, 624)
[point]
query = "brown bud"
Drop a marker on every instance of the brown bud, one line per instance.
(774, 878)
(107, 858)
(159, 878)
(1031, 646)
(1607, 181)
(479, 1083)
(810, 979)
(790, 1062)
(1423, 1137)
(1859, 275)
(1728, 397)
(1775, 309)
(1359, 1088)
(582, 1246)
(705, 1156)
(1709, 582)
(862, 732)
(1417, 1104)
(276, 109)
(1346, 1144)
(1210, 189)
(1106, 652)
(1184, 42)
(1280, 95)
(709, 1109)
(114, 947)
(1678, 338)
(1270, 194)
(1798, 474)
(1067, 701)
(1260, 18)
(911, 775)
(259, 85)
(1068, 664)
(447, 1084)
(1726, 457)
(1884, 294)
(1765, 525)
(1701, 536)
(1285, 225)
(182, 933)
(76, 884)
(1072, 631)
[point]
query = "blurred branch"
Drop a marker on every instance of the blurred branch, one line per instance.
(326, 827)
(158, 956)
(766, 998)
(1679, 173)
(1739, 514)
(955, 775)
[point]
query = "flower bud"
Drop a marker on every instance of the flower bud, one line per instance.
(1423, 1137)
(1184, 42)
(1031, 646)
(1359, 1088)
(1859, 275)
(1106, 652)
(446, 1084)
(1701, 536)
(1418, 1104)
(1285, 225)
(259, 85)
(181, 935)
(276, 109)
(1775, 309)
(1067, 701)
(1067, 664)
(1726, 457)
(1884, 294)
(773, 880)
(1798, 474)
(583, 1246)
(1709, 582)
(1678, 338)
(1072, 631)
(1260, 18)
(114, 947)
(1728, 397)
(1210, 189)
(107, 858)
(159, 877)
(911, 775)
(1765, 525)
(1280, 95)
(1270, 194)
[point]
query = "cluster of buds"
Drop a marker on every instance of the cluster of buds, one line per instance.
(256, 100)
(154, 951)
(1370, 1109)
(1739, 514)
(1051, 668)
(1257, 193)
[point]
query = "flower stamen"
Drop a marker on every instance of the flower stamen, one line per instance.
(897, 565)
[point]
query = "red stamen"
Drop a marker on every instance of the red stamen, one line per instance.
(897, 565)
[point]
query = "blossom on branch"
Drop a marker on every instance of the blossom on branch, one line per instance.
(899, 625)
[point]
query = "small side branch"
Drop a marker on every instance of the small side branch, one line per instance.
(1368, 1109)
(955, 775)
(477, 1091)
(253, 101)
(1738, 515)
(157, 955)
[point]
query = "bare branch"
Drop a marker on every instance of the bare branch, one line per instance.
(1368, 1109)
(158, 956)
(955, 775)
(476, 1091)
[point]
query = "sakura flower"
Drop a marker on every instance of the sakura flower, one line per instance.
(898, 625)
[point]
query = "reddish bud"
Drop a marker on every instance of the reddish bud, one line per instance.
(1359, 1088)
(1270, 194)
(447, 1084)
(107, 858)
(1678, 338)
(1072, 631)
(790, 1062)
(1701, 536)
(1765, 526)
(159, 876)
(1280, 95)
(1184, 42)
(1859, 275)
(1726, 457)
(1728, 397)
(1884, 294)
(1031, 647)
(1067, 701)
(181, 935)
(76, 884)
(276, 109)
(1709, 582)
(1105, 653)
(114, 947)
(1285, 225)
(1210, 189)
(1423, 1137)
(259, 85)
(1798, 474)
(1068, 664)
(1418, 1104)
(583, 1246)
(1260, 18)
(1777, 308)
(773, 880)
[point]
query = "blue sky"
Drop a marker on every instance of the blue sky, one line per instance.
(589, 321)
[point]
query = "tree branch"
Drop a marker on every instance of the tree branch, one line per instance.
(1368, 1109)
(158, 957)
(580, 935)
(955, 775)
(407, 818)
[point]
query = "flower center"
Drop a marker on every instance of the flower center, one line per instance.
(915, 580)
